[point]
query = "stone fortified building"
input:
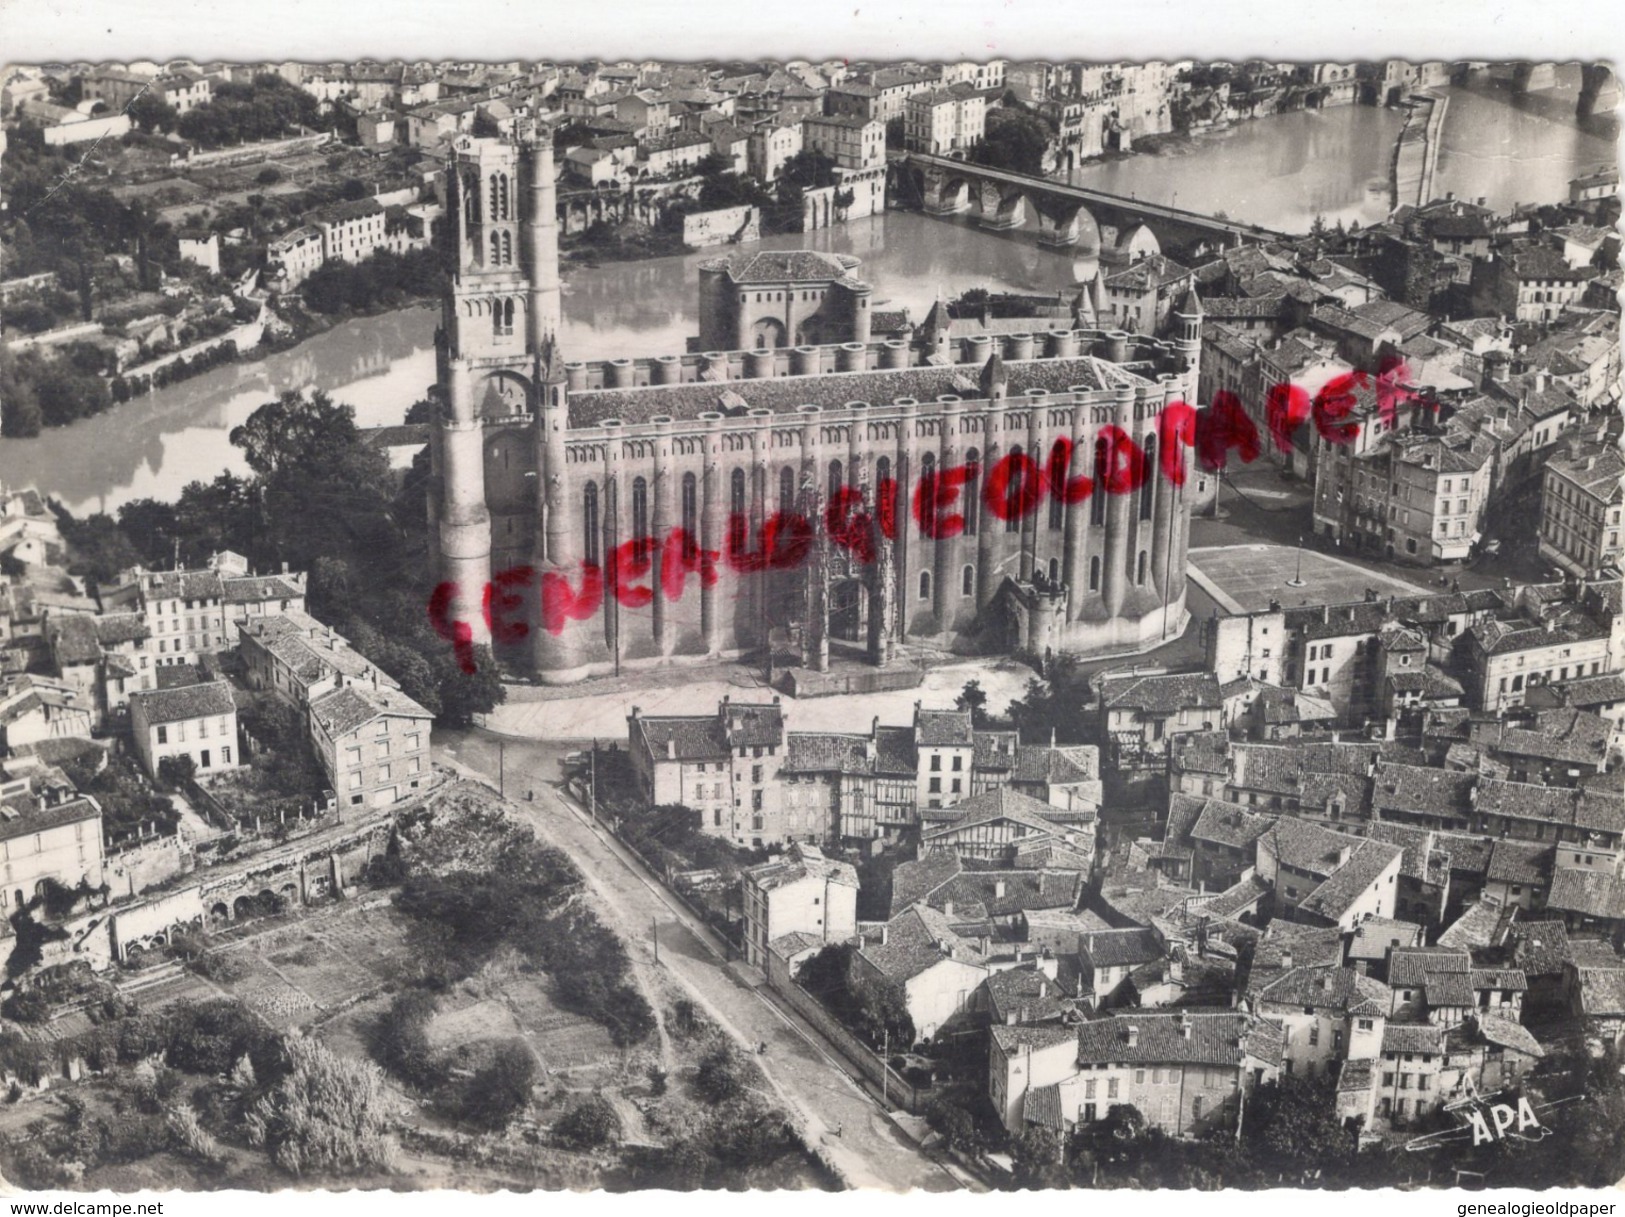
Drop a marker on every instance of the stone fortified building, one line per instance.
(553, 466)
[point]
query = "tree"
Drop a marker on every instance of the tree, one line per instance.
(465, 694)
(151, 112)
(1014, 139)
(327, 1115)
(1036, 1152)
(881, 1010)
(501, 1090)
(1291, 1125)
(957, 1126)
(973, 698)
(721, 1075)
(177, 771)
(294, 430)
(591, 1123)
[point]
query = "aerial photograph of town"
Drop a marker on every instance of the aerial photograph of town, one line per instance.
(802, 624)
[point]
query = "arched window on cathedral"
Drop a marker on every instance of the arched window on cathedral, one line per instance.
(1013, 491)
(496, 319)
(1140, 568)
(471, 200)
(787, 490)
(495, 204)
(496, 250)
(640, 518)
(1097, 501)
(925, 585)
(836, 480)
(1094, 573)
(1055, 570)
(737, 523)
(507, 248)
(1148, 487)
(967, 581)
(972, 496)
(928, 475)
(589, 523)
(502, 196)
(691, 516)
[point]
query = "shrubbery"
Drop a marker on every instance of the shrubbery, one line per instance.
(589, 1124)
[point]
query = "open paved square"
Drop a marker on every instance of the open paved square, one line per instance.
(1243, 578)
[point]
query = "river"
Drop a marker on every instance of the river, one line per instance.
(1279, 172)
(155, 445)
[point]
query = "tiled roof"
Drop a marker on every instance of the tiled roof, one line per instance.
(1520, 862)
(1508, 1033)
(1345, 885)
(187, 702)
(1189, 1039)
(1409, 967)
(114, 628)
(694, 737)
(1477, 926)
(1222, 823)
(1114, 948)
(343, 710)
(1026, 992)
(1413, 1038)
(1037, 1036)
(801, 862)
(252, 589)
(1540, 948)
(1440, 989)
(1418, 844)
(998, 803)
(914, 943)
(995, 750)
(1057, 766)
(753, 724)
(1511, 980)
(183, 585)
(1238, 898)
(1043, 1107)
(826, 752)
(1589, 893)
(943, 728)
(1602, 993)
(912, 882)
(74, 639)
(894, 751)
(786, 394)
(1413, 788)
(41, 819)
(1327, 987)
(1161, 694)
(1023, 890)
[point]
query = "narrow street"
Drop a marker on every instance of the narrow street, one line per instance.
(800, 1065)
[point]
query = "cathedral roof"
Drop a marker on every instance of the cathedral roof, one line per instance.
(786, 394)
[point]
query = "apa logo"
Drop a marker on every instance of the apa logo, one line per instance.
(1503, 1117)
(1488, 1121)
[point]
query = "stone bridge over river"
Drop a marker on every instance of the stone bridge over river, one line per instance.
(1069, 217)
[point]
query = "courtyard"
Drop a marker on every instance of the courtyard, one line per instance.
(1245, 578)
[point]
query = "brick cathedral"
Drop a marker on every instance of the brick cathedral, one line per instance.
(626, 475)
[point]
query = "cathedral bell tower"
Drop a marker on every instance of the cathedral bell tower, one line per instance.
(495, 347)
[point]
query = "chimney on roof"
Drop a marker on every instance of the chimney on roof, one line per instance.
(1286, 959)
(1326, 613)
(1133, 1036)
(998, 889)
(1184, 1026)
(884, 930)
(1043, 987)
(947, 908)
(671, 748)
(1010, 1019)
